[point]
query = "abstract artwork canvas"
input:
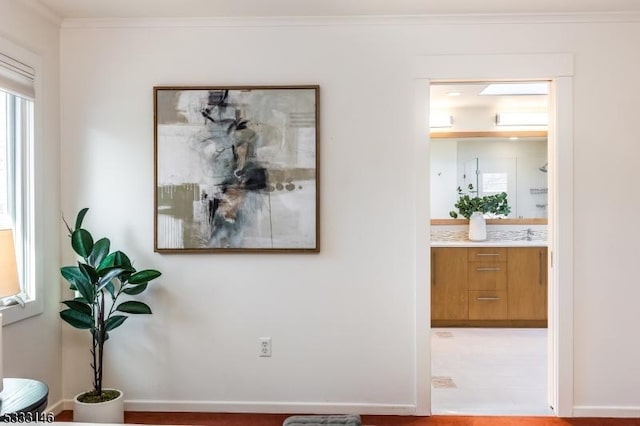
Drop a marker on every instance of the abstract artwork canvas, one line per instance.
(236, 169)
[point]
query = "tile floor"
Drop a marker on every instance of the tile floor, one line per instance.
(489, 371)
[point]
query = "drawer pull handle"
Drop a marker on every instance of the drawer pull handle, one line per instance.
(487, 254)
(488, 298)
(487, 269)
(541, 270)
(433, 268)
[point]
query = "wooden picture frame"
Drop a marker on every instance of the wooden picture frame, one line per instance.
(236, 169)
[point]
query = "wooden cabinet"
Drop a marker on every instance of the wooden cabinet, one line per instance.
(487, 268)
(487, 305)
(487, 283)
(489, 286)
(527, 283)
(449, 290)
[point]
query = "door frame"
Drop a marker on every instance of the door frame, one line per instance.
(558, 69)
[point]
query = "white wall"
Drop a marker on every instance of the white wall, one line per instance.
(342, 322)
(32, 347)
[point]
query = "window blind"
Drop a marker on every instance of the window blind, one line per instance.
(16, 77)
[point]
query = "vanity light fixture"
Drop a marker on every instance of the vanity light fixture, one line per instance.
(522, 119)
(437, 120)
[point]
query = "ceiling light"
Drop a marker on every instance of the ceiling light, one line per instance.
(521, 119)
(454, 93)
(515, 89)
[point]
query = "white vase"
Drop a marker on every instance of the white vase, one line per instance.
(477, 227)
(100, 412)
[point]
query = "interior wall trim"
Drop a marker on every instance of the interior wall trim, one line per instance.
(300, 408)
(44, 12)
(606, 411)
(558, 68)
(264, 407)
(321, 21)
(59, 407)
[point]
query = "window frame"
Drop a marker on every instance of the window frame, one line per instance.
(28, 233)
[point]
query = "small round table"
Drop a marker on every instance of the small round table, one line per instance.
(23, 396)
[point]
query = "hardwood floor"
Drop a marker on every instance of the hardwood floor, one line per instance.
(224, 419)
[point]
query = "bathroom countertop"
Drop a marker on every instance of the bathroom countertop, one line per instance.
(497, 238)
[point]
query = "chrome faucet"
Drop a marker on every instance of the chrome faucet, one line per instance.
(529, 234)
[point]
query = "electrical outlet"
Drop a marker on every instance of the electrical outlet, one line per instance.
(265, 346)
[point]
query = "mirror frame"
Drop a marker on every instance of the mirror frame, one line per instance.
(497, 134)
(531, 221)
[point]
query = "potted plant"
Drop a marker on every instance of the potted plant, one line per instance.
(474, 209)
(99, 279)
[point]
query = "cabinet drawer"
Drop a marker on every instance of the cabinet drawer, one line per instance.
(487, 254)
(487, 276)
(487, 305)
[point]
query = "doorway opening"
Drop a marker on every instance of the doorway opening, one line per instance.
(557, 68)
(489, 297)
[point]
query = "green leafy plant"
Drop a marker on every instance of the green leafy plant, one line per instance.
(496, 204)
(99, 279)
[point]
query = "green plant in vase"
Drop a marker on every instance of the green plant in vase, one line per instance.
(99, 279)
(496, 204)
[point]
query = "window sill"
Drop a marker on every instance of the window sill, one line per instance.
(15, 313)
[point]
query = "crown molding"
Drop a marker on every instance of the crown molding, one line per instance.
(44, 12)
(306, 21)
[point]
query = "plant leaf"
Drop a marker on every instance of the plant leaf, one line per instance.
(133, 307)
(144, 276)
(116, 259)
(82, 242)
(80, 217)
(84, 285)
(88, 272)
(137, 289)
(99, 252)
(72, 274)
(107, 277)
(111, 289)
(79, 306)
(122, 261)
(77, 319)
(114, 321)
(107, 262)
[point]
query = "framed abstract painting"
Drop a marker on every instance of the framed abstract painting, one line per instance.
(236, 169)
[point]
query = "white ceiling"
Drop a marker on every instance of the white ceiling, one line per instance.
(269, 8)
(469, 97)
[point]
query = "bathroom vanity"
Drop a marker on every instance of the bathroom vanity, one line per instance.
(501, 282)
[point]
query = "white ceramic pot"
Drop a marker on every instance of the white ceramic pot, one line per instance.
(477, 227)
(101, 412)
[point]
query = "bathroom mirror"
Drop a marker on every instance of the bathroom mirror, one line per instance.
(491, 163)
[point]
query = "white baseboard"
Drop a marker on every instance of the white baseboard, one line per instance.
(56, 408)
(269, 407)
(262, 407)
(606, 411)
(315, 408)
